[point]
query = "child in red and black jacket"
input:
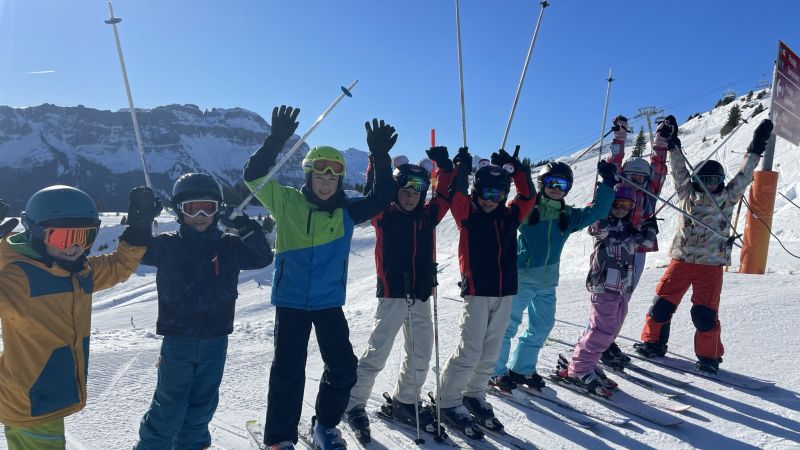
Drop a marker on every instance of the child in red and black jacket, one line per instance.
(487, 254)
(405, 252)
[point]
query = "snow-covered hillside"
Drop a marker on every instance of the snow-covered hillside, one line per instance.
(758, 313)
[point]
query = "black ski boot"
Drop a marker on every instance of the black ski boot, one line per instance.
(405, 412)
(650, 349)
(503, 382)
(483, 413)
(532, 381)
(708, 366)
(358, 421)
(604, 380)
(613, 357)
(590, 382)
(459, 418)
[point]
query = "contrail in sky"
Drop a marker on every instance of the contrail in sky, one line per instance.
(41, 72)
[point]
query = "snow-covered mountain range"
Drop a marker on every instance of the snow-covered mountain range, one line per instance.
(96, 150)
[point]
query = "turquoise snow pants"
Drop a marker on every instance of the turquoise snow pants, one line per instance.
(187, 392)
(541, 306)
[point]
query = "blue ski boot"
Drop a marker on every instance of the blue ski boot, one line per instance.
(326, 438)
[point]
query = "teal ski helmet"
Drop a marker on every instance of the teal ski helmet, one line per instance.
(59, 204)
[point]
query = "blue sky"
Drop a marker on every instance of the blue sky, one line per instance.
(680, 55)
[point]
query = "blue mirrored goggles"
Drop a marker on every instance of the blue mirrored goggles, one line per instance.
(555, 182)
(417, 183)
(492, 194)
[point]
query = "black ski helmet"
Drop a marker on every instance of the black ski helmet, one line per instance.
(711, 167)
(553, 169)
(489, 175)
(196, 185)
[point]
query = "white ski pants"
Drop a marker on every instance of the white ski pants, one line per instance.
(391, 314)
(467, 372)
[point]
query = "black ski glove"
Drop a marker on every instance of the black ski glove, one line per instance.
(284, 122)
(620, 123)
(244, 225)
(143, 208)
(672, 141)
(9, 225)
(501, 158)
(440, 156)
(381, 137)
(463, 159)
(650, 222)
(760, 137)
(608, 173)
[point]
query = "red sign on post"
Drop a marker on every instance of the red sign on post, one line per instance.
(786, 95)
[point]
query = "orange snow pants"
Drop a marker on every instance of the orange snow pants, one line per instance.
(706, 284)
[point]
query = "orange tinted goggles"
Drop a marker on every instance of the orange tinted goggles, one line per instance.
(66, 238)
(327, 165)
(622, 203)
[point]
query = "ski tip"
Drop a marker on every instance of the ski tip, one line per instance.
(346, 91)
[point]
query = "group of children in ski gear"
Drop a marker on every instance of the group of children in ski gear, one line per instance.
(509, 255)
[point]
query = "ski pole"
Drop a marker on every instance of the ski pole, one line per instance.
(728, 239)
(736, 223)
(576, 160)
(697, 169)
(113, 21)
(239, 210)
(603, 127)
(410, 303)
(524, 71)
(438, 437)
(460, 76)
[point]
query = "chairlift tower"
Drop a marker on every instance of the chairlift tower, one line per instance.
(646, 112)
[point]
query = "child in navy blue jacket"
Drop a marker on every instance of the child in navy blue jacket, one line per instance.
(197, 278)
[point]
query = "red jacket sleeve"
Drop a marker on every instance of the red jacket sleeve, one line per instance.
(441, 198)
(526, 197)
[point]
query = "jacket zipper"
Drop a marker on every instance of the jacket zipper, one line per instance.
(311, 249)
(413, 257)
(499, 258)
(75, 338)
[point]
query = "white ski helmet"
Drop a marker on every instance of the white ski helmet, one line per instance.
(638, 166)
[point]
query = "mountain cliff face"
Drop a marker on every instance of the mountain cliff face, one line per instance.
(96, 150)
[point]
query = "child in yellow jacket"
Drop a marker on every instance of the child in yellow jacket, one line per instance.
(46, 285)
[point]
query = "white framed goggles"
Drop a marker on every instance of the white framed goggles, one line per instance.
(194, 208)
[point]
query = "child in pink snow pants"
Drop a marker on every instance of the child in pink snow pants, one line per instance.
(609, 281)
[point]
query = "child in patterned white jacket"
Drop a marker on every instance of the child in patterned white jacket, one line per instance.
(610, 280)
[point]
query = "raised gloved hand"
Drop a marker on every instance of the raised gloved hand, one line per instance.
(463, 159)
(9, 225)
(760, 137)
(501, 158)
(650, 222)
(608, 173)
(440, 156)
(672, 141)
(244, 225)
(284, 122)
(381, 137)
(620, 128)
(143, 208)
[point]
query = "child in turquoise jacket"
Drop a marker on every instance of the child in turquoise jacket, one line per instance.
(539, 245)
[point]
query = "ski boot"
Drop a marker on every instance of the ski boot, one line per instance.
(358, 420)
(590, 382)
(460, 419)
(708, 366)
(283, 445)
(503, 382)
(483, 413)
(532, 381)
(604, 380)
(650, 349)
(326, 438)
(406, 413)
(613, 357)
